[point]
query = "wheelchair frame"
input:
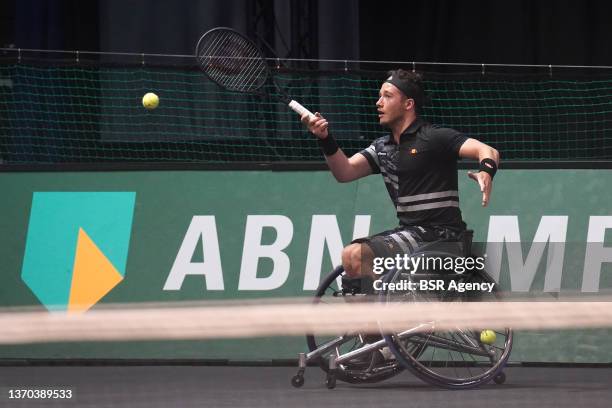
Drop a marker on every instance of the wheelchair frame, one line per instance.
(338, 363)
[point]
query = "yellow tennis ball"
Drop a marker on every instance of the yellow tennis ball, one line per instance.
(487, 336)
(150, 101)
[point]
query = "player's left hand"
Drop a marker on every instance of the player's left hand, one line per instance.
(486, 184)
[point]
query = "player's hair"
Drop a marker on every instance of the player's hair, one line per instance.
(412, 87)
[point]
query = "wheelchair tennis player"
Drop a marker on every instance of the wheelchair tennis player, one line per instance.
(418, 162)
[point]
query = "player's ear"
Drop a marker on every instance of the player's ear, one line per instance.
(409, 104)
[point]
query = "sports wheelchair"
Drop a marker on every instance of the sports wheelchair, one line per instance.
(456, 360)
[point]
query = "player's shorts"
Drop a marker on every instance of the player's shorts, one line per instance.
(406, 239)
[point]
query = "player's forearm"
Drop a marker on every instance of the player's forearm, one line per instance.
(340, 166)
(338, 163)
(487, 152)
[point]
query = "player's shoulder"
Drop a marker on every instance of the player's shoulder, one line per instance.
(380, 142)
(433, 132)
(436, 129)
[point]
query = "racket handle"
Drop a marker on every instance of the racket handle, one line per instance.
(299, 109)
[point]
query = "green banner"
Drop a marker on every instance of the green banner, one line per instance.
(187, 235)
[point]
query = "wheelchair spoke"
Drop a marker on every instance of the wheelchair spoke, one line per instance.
(467, 366)
(433, 356)
(497, 347)
(466, 338)
(449, 344)
(453, 365)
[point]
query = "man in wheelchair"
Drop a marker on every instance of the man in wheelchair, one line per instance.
(418, 163)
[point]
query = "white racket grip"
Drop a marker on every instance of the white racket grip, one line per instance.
(299, 109)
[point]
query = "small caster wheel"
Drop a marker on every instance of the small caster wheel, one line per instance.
(330, 382)
(500, 378)
(297, 381)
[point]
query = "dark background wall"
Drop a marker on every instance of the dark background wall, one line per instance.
(521, 31)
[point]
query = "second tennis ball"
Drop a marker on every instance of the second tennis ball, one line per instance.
(487, 336)
(150, 101)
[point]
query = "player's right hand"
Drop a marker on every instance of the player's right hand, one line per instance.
(317, 125)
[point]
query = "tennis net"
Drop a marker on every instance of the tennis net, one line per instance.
(67, 112)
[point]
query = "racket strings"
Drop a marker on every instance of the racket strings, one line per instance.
(216, 58)
(232, 61)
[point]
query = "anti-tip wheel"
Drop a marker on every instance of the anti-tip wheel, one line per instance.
(297, 381)
(500, 378)
(330, 382)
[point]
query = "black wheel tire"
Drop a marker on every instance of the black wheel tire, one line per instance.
(500, 378)
(297, 381)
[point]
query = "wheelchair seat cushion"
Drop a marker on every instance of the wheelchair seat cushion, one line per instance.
(410, 239)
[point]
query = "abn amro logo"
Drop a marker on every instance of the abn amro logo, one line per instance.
(77, 246)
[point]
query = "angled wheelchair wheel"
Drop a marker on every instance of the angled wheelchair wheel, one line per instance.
(451, 359)
(330, 290)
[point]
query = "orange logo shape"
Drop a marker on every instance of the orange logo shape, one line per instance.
(93, 277)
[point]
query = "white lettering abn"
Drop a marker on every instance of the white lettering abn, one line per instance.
(210, 268)
(253, 250)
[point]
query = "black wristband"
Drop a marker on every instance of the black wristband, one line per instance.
(488, 166)
(328, 145)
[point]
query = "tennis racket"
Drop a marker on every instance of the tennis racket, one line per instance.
(233, 62)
